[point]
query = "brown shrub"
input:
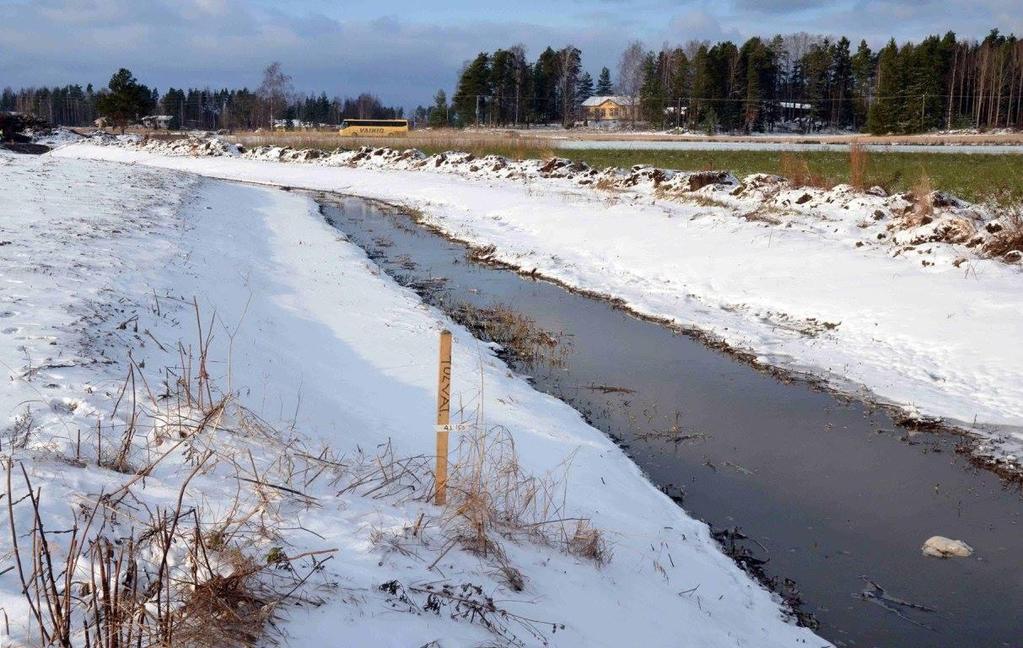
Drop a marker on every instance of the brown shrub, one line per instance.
(588, 543)
(1010, 237)
(492, 497)
(858, 157)
(797, 171)
(923, 203)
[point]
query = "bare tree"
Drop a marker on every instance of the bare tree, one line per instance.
(275, 90)
(569, 66)
(521, 75)
(691, 47)
(630, 74)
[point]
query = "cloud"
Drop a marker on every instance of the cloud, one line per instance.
(780, 6)
(228, 42)
(406, 52)
(698, 24)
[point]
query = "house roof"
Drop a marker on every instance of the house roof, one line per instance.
(596, 101)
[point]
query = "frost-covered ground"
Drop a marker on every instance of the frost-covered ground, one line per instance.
(900, 298)
(308, 424)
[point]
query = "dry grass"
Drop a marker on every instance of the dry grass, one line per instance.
(858, 158)
(128, 573)
(797, 170)
(108, 589)
(695, 199)
(1009, 237)
(197, 575)
(492, 497)
(518, 335)
(923, 203)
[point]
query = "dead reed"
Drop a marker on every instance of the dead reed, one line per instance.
(190, 574)
(519, 336)
(923, 202)
(796, 169)
(493, 498)
(858, 158)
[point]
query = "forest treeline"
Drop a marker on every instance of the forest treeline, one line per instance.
(799, 81)
(818, 82)
(202, 108)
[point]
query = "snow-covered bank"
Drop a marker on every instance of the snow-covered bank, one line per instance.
(100, 259)
(867, 291)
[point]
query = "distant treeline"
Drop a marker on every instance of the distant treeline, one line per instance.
(813, 81)
(202, 108)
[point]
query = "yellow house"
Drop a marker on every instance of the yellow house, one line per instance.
(610, 107)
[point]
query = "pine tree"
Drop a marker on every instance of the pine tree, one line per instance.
(569, 66)
(473, 90)
(604, 85)
(702, 86)
(815, 67)
(651, 93)
(841, 84)
(761, 71)
(502, 84)
(125, 101)
(545, 86)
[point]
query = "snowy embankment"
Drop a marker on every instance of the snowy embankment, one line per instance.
(211, 371)
(906, 300)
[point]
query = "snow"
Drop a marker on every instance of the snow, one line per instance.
(854, 288)
(99, 267)
(752, 145)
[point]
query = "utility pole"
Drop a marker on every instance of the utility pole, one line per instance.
(477, 111)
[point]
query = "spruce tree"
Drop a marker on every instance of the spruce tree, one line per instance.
(884, 115)
(604, 85)
(584, 88)
(863, 65)
(439, 111)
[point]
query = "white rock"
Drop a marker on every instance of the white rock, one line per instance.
(942, 547)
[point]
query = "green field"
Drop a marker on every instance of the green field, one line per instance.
(973, 177)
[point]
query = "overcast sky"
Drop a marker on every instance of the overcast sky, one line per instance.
(403, 50)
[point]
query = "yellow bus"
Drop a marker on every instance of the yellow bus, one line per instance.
(373, 127)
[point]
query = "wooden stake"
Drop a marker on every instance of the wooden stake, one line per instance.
(443, 415)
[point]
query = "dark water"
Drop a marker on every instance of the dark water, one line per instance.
(830, 491)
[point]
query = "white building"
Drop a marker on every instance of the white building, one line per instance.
(157, 122)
